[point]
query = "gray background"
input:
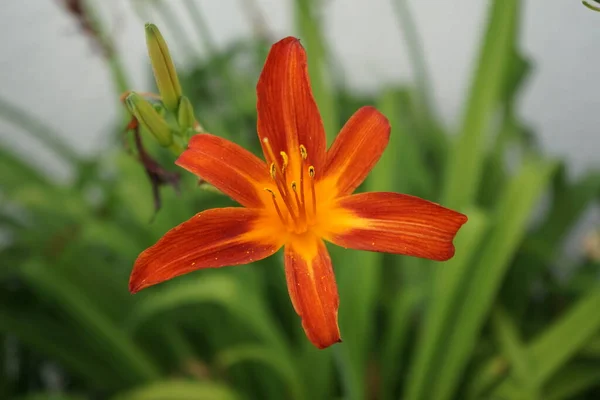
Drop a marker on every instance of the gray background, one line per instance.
(53, 71)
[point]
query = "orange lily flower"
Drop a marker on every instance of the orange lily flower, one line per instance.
(299, 197)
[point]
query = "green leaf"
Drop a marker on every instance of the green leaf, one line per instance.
(465, 163)
(483, 280)
(448, 290)
(572, 380)
(180, 390)
(215, 288)
(401, 167)
(560, 342)
(514, 350)
(267, 356)
(126, 356)
(396, 336)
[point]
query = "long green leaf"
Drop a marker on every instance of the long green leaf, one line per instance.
(128, 358)
(485, 277)
(513, 349)
(572, 380)
(561, 341)
(446, 294)
(268, 357)
(465, 163)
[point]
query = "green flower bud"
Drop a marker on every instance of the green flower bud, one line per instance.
(164, 70)
(150, 119)
(185, 115)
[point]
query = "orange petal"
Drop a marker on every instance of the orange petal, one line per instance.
(395, 223)
(357, 149)
(287, 113)
(212, 238)
(312, 288)
(227, 166)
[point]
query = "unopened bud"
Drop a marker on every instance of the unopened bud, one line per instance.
(149, 118)
(185, 116)
(164, 70)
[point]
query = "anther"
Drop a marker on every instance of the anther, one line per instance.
(285, 159)
(273, 170)
(311, 173)
(303, 152)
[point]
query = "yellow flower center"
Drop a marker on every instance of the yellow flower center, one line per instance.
(293, 193)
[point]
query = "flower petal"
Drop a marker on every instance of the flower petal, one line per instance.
(357, 149)
(312, 288)
(227, 166)
(394, 223)
(287, 113)
(212, 238)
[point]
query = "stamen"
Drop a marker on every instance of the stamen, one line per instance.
(273, 170)
(276, 206)
(303, 152)
(298, 202)
(285, 159)
(311, 173)
(270, 154)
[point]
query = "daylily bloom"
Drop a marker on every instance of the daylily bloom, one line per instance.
(298, 197)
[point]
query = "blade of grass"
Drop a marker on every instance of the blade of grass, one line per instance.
(571, 381)
(403, 153)
(221, 289)
(359, 281)
(126, 356)
(395, 338)
(263, 355)
(426, 114)
(514, 350)
(486, 275)
(448, 288)
(43, 335)
(553, 348)
(465, 163)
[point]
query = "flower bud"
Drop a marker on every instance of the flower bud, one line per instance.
(185, 116)
(149, 118)
(164, 70)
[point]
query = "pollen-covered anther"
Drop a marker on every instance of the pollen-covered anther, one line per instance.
(303, 152)
(311, 173)
(285, 160)
(273, 170)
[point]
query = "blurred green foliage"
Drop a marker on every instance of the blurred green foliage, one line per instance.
(501, 320)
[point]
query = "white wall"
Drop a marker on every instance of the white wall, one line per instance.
(52, 70)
